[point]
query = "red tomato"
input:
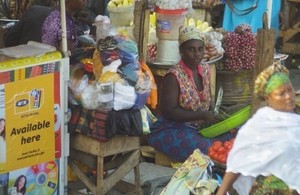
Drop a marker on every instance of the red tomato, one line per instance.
(211, 154)
(210, 149)
(215, 156)
(217, 143)
(222, 158)
(228, 145)
(221, 150)
(215, 148)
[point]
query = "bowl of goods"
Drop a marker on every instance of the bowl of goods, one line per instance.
(234, 120)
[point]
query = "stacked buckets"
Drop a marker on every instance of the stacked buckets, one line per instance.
(167, 31)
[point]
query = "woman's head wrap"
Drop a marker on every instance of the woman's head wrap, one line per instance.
(270, 79)
(189, 32)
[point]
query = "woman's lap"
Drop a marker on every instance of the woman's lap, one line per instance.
(179, 141)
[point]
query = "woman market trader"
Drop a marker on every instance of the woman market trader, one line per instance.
(51, 30)
(267, 146)
(185, 102)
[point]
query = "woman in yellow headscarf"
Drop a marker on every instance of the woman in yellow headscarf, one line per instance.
(185, 102)
(266, 148)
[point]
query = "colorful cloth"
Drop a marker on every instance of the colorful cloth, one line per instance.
(179, 140)
(275, 81)
(52, 33)
(266, 145)
(254, 18)
(193, 177)
(270, 185)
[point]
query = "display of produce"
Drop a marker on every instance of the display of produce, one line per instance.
(240, 48)
(218, 151)
(119, 3)
(203, 26)
(152, 39)
(173, 4)
(121, 12)
(213, 46)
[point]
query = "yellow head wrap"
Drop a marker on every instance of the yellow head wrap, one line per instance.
(189, 32)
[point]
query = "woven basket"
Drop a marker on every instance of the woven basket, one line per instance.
(237, 86)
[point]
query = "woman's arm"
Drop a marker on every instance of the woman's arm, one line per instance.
(169, 103)
(227, 182)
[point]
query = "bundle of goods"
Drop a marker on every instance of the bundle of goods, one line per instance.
(213, 46)
(240, 47)
(116, 86)
(173, 4)
(114, 80)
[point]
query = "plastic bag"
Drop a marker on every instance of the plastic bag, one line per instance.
(79, 80)
(102, 24)
(124, 96)
(89, 97)
(174, 4)
(105, 95)
(143, 89)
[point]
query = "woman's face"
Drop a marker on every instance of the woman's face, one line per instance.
(2, 126)
(192, 52)
(21, 183)
(77, 5)
(283, 98)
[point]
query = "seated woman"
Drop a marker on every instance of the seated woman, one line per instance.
(185, 102)
(52, 32)
(266, 147)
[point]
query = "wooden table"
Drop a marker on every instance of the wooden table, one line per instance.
(123, 153)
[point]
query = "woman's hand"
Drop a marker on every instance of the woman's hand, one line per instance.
(210, 117)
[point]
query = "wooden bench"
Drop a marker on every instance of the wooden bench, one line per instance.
(111, 160)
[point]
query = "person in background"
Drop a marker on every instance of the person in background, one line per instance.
(2, 141)
(20, 185)
(29, 27)
(51, 31)
(250, 12)
(267, 145)
(185, 102)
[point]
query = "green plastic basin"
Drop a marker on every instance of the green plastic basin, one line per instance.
(235, 120)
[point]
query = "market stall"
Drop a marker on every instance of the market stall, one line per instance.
(31, 95)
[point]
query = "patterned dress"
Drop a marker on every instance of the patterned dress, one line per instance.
(176, 139)
(52, 32)
(271, 185)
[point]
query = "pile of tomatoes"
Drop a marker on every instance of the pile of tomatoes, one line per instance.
(218, 151)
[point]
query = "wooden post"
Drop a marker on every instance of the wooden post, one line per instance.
(264, 56)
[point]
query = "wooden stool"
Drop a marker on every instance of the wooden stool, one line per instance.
(125, 156)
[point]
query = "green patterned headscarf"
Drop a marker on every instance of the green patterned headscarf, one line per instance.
(270, 79)
(275, 81)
